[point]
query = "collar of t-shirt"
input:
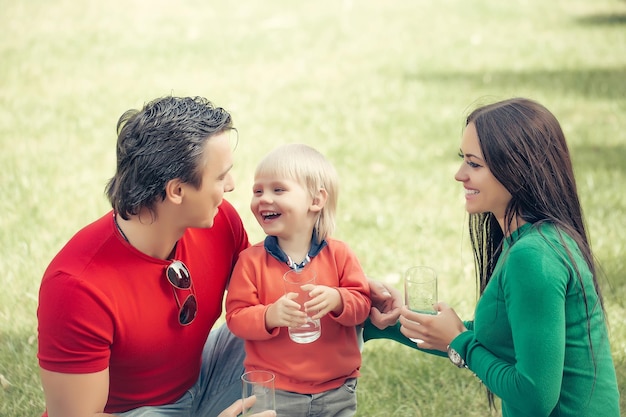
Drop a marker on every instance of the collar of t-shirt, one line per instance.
(271, 246)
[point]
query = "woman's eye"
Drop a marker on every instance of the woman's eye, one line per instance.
(468, 162)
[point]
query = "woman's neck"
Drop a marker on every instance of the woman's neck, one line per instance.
(509, 228)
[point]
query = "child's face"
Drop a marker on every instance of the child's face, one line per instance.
(282, 207)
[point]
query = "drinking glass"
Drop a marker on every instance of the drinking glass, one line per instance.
(294, 280)
(261, 385)
(420, 290)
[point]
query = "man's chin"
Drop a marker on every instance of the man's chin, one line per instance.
(207, 224)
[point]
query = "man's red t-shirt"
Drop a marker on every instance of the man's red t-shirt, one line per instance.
(102, 303)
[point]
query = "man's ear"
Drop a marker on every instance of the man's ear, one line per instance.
(319, 200)
(174, 191)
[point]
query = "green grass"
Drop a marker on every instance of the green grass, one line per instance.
(380, 87)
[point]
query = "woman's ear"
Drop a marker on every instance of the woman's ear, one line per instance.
(174, 191)
(319, 200)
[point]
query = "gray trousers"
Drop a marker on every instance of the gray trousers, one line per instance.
(339, 402)
(218, 386)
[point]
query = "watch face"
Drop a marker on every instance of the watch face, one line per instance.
(455, 358)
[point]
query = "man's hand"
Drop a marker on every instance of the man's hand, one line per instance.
(237, 408)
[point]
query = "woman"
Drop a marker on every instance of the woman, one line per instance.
(539, 339)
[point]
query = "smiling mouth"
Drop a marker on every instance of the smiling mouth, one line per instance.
(471, 192)
(269, 215)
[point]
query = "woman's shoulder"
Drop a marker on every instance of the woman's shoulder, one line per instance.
(545, 244)
(545, 234)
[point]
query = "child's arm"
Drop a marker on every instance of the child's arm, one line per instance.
(245, 312)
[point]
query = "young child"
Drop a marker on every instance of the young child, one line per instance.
(295, 200)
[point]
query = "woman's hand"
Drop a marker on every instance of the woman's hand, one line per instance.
(386, 304)
(436, 330)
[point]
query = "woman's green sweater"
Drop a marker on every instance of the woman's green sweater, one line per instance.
(535, 342)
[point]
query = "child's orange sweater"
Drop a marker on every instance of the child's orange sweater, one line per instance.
(257, 282)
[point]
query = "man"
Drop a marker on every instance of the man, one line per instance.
(127, 306)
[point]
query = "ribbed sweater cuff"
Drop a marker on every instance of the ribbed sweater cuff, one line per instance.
(462, 342)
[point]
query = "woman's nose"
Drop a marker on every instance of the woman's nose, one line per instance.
(460, 174)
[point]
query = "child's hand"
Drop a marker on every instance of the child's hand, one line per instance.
(285, 312)
(323, 300)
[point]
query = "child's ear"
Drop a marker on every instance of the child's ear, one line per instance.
(319, 200)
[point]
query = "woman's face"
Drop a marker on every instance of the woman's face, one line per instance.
(483, 192)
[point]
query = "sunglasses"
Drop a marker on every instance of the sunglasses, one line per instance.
(179, 277)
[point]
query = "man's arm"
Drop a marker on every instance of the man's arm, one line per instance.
(75, 395)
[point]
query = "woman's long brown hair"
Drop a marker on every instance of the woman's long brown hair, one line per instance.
(524, 147)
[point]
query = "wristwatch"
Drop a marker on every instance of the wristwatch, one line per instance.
(455, 358)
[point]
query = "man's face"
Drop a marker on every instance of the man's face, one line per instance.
(201, 204)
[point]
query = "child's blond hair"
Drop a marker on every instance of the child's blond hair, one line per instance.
(313, 171)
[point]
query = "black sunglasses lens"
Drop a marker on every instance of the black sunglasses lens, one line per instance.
(188, 310)
(178, 275)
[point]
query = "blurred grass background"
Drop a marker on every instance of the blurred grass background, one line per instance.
(380, 87)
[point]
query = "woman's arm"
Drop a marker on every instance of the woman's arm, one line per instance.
(386, 304)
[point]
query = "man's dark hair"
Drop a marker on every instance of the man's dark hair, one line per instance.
(162, 141)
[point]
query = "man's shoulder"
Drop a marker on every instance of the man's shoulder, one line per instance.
(87, 243)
